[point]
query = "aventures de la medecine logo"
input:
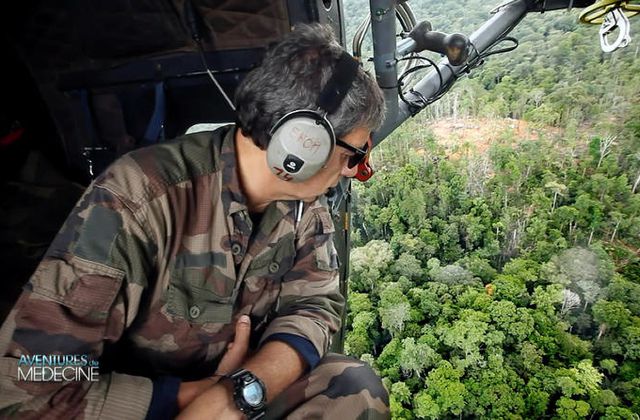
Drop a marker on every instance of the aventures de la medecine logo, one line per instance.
(58, 368)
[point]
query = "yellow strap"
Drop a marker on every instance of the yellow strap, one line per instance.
(596, 12)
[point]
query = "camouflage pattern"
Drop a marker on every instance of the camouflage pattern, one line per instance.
(151, 271)
(338, 388)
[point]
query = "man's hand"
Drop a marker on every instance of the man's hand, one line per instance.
(233, 358)
(236, 350)
(276, 363)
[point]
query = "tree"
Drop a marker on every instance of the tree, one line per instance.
(451, 274)
(517, 323)
(630, 339)
(605, 146)
(357, 302)
(446, 390)
(591, 213)
(603, 399)
(567, 216)
(494, 390)
(582, 268)
(400, 396)
(426, 301)
(568, 409)
(619, 413)
(509, 287)
(537, 402)
(465, 337)
(409, 266)
(368, 263)
(415, 357)
(570, 301)
(388, 360)
(394, 308)
(609, 365)
(530, 358)
(558, 190)
(545, 298)
(425, 407)
(587, 376)
(359, 340)
(409, 244)
(610, 315)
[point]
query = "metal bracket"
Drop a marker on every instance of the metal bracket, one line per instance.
(379, 13)
(615, 19)
(501, 6)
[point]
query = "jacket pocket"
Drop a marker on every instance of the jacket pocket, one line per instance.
(201, 294)
(87, 288)
(275, 261)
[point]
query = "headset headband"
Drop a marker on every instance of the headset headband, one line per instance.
(339, 84)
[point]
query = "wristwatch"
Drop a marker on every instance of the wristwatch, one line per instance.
(249, 393)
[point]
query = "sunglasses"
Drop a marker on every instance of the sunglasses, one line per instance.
(358, 156)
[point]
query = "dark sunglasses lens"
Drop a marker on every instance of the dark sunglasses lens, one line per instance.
(355, 160)
(358, 154)
(358, 157)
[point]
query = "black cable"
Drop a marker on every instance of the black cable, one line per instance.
(503, 50)
(415, 106)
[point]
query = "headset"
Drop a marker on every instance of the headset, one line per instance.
(302, 140)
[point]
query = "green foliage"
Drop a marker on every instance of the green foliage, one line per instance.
(619, 413)
(505, 283)
(408, 266)
(613, 315)
(360, 338)
(368, 264)
(610, 366)
(451, 274)
(446, 390)
(415, 357)
(568, 409)
(603, 399)
(394, 309)
(425, 406)
(388, 362)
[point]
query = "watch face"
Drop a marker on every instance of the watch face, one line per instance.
(252, 394)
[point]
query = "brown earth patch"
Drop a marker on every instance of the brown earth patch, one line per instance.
(478, 134)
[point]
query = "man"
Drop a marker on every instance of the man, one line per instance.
(192, 274)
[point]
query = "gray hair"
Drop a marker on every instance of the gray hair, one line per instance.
(291, 77)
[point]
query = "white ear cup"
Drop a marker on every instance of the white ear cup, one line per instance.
(300, 145)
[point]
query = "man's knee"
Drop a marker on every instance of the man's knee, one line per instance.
(351, 377)
(339, 387)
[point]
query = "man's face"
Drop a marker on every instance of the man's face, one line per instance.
(336, 166)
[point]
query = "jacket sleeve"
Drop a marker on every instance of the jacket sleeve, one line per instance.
(84, 293)
(310, 303)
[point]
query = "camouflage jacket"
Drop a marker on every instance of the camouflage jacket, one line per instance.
(150, 272)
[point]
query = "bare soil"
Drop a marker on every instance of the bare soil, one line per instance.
(478, 134)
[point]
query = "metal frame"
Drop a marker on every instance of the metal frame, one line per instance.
(500, 24)
(505, 18)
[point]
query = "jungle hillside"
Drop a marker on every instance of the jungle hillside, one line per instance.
(495, 267)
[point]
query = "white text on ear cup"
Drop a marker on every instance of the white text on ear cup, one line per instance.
(301, 143)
